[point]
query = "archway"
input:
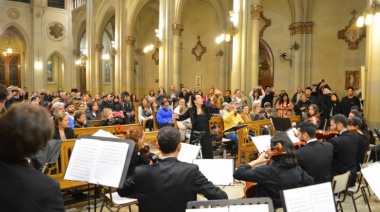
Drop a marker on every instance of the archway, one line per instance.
(266, 64)
(55, 71)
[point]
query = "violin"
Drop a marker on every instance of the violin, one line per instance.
(145, 152)
(119, 130)
(299, 144)
(326, 135)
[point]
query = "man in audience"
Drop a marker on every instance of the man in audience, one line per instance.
(345, 148)
(232, 119)
(164, 115)
(57, 108)
(270, 93)
(173, 96)
(104, 103)
(169, 184)
(311, 98)
(315, 157)
(70, 109)
(3, 97)
(297, 95)
(349, 101)
(227, 98)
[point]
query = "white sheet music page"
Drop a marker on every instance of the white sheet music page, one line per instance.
(371, 174)
(249, 208)
(262, 142)
(188, 152)
(225, 209)
(291, 134)
(218, 171)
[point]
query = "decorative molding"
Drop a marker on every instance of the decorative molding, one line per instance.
(13, 13)
(56, 31)
(351, 33)
(130, 40)
(177, 29)
(263, 24)
(139, 52)
(256, 11)
(301, 28)
(198, 50)
(98, 47)
(76, 53)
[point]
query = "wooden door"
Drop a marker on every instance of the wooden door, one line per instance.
(266, 70)
(83, 79)
(10, 70)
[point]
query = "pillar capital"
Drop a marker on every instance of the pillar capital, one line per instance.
(301, 28)
(76, 53)
(177, 29)
(130, 40)
(98, 47)
(256, 11)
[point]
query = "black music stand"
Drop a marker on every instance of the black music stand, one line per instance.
(235, 129)
(281, 124)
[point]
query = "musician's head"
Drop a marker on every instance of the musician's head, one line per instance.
(289, 159)
(313, 110)
(338, 122)
(168, 140)
(306, 130)
(137, 135)
(24, 130)
(355, 123)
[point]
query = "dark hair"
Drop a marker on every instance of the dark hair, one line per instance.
(350, 87)
(282, 98)
(355, 121)
(307, 127)
(91, 104)
(316, 111)
(3, 92)
(356, 113)
(168, 139)
(339, 118)
(78, 114)
(164, 101)
(288, 160)
(308, 88)
(337, 98)
(68, 104)
(15, 144)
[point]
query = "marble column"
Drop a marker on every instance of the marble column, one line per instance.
(130, 41)
(301, 33)
(177, 30)
(98, 69)
(91, 83)
(372, 87)
(256, 11)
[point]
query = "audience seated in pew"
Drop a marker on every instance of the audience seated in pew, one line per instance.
(110, 118)
(80, 120)
(62, 130)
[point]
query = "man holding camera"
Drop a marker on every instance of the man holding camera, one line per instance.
(232, 119)
(169, 184)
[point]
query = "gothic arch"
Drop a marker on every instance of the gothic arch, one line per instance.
(266, 64)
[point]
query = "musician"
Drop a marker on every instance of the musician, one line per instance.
(169, 184)
(25, 129)
(315, 157)
(345, 148)
(355, 125)
(282, 173)
(312, 115)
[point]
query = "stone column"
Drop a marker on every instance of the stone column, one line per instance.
(177, 30)
(91, 83)
(117, 58)
(372, 88)
(256, 11)
(130, 41)
(98, 68)
(301, 33)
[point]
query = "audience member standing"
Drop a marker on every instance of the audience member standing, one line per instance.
(296, 97)
(349, 101)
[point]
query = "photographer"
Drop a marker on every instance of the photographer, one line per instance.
(110, 118)
(258, 113)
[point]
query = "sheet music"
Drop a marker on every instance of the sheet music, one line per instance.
(290, 132)
(371, 174)
(313, 198)
(224, 209)
(188, 152)
(98, 162)
(262, 142)
(102, 133)
(218, 171)
(249, 208)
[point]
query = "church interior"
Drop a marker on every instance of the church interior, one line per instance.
(140, 45)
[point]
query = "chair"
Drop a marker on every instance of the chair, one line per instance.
(227, 202)
(340, 186)
(112, 199)
(351, 191)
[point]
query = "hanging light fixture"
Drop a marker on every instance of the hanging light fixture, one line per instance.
(155, 45)
(230, 32)
(370, 15)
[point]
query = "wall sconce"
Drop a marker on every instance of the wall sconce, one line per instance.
(38, 64)
(295, 46)
(219, 53)
(82, 57)
(284, 57)
(368, 15)
(231, 30)
(155, 45)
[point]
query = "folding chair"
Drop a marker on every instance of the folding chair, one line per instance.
(112, 199)
(228, 202)
(340, 186)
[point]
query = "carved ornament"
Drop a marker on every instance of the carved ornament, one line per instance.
(351, 33)
(13, 13)
(130, 40)
(301, 28)
(177, 29)
(198, 50)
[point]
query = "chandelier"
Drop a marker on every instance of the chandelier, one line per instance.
(231, 30)
(370, 15)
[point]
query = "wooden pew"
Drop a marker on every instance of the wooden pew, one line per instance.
(245, 145)
(96, 123)
(91, 130)
(136, 106)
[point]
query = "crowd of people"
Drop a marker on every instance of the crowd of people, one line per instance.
(316, 162)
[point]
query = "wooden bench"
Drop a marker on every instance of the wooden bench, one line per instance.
(91, 130)
(245, 145)
(96, 123)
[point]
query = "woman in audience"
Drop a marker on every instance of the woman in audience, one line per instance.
(62, 128)
(181, 102)
(110, 119)
(335, 105)
(86, 99)
(154, 106)
(80, 120)
(25, 129)
(245, 114)
(200, 92)
(152, 96)
(117, 106)
(284, 106)
(134, 98)
(160, 95)
(137, 158)
(82, 106)
(281, 173)
(92, 112)
(255, 96)
(185, 125)
(145, 114)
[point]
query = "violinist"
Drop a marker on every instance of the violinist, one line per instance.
(137, 135)
(282, 172)
(315, 157)
(355, 125)
(312, 115)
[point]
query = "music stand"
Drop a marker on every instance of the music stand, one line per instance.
(281, 124)
(235, 129)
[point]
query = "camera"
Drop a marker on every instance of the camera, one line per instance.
(116, 114)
